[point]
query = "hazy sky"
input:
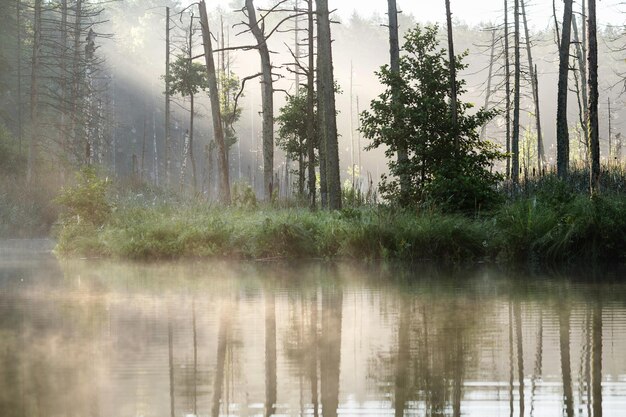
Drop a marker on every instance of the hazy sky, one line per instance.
(470, 11)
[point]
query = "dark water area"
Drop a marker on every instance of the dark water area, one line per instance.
(99, 338)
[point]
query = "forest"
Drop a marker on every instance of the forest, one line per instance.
(312, 208)
(166, 129)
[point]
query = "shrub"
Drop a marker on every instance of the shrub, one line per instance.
(87, 200)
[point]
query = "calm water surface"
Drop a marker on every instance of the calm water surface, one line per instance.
(99, 339)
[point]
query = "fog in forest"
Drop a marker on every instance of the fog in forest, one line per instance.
(136, 56)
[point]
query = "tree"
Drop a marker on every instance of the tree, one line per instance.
(311, 134)
(422, 111)
(326, 106)
(34, 92)
(293, 132)
(562, 128)
(267, 92)
(507, 87)
(218, 129)
(231, 113)
(594, 136)
(187, 78)
(516, 98)
(452, 66)
(394, 52)
(534, 83)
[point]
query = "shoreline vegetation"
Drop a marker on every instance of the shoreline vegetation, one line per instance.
(548, 221)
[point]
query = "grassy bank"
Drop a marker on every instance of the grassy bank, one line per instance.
(551, 227)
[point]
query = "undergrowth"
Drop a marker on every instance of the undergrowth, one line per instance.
(557, 223)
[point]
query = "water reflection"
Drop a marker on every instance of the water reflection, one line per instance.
(88, 338)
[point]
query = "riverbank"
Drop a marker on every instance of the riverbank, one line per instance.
(540, 228)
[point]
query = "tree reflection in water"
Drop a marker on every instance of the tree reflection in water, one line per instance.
(240, 340)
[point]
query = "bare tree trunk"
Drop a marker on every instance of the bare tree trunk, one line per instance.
(594, 94)
(143, 145)
(155, 170)
(310, 105)
(267, 97)
(507, 84)
(581, 51)
(321, 132)
(556, 24)
(76, 76)
(394, 52)
(215, 106)
(483, 131)
(535, 86)
(515, 171)
(168, 127)
(192, 111)
(34, 94)
(562, 128)
(327, 96)
(63, 86)
(18, 20)
(190, 149)
(453, 86)
(609, 116)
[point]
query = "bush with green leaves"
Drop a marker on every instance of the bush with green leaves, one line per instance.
(243, 196)
(447, 162)
(87, 200)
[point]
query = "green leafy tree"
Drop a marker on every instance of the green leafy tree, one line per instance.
(414, 109)
(292, 133)
(187, 77)
(231, 113)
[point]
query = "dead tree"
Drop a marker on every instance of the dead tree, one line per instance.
(34, 92)
(168, 126)
(483, 131)
(453, 85)
(594, 136)
(507, 88)
(267, 96)
(562, 128)
(515, 170)
(581, 52)
(310, 105)
(215, 106)
(541, 159)
(394, 53)
(326, 97)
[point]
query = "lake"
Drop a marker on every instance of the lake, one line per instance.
(102, 338)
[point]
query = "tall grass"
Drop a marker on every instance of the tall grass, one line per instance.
(556, 222)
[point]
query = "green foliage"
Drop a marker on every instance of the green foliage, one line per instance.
(562, 227)
(292, 125)
(187, 77)
(87, 200)
(243, 196)
(448, 164)
(229, 89)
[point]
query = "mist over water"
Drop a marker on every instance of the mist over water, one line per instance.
(242, 339)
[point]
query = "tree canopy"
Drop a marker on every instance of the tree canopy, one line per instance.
(415, 109)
